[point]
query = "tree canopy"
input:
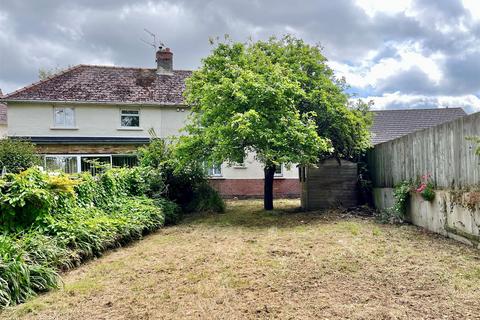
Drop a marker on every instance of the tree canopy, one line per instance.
(276, 98)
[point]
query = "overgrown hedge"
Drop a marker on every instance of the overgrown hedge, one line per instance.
(53, 223)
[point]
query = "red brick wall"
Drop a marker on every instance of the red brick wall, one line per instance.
(253, 188)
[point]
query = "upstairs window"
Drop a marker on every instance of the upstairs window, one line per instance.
(64, 117)
(129, 118)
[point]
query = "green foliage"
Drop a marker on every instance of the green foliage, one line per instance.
(180, 182)
(17, 155)
(53, 223)
(276, 98)
(428, 193)
(397, 213)
(19, 278)
(30, 195)
(425, 187)
(243, 99)
(205, 198)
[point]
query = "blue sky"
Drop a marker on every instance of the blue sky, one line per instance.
(400, 54)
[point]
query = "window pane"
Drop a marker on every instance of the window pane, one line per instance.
(130, 118)
(279, 170)
(124, 161)
(59, 116)
(215, 170)
(69, 117)
(62, 163)
(95, 164)
(64, 117)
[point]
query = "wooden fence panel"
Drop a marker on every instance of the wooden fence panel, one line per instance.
(443, 151)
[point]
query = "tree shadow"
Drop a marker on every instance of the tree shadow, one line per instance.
(250, 214)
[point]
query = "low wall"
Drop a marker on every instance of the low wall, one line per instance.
(455, 214)
(253, 188)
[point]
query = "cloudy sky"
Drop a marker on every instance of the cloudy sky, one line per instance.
(418, 53)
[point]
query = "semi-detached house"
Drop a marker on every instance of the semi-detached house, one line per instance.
(105, 113)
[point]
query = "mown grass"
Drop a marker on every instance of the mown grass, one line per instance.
(286, 264)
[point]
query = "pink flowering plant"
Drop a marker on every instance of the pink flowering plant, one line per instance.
(426, 187)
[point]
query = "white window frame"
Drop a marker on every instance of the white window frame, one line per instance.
(214, 173)
(45, 156)
(122, 127)
(279, 174)
(80, 156)
(64, 125)
(77, 156)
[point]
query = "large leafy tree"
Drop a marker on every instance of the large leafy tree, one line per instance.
(276, 98)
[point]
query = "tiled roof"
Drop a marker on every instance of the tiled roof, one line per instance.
(391, 124)
(87, 83)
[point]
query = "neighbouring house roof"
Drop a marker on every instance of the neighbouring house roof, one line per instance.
(105, 84)
(392, 124)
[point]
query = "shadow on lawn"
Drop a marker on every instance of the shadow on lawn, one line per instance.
(250, 214)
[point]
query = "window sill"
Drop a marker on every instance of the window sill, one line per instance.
(63, 128)
(130, 129)
(279, 177)
(239, 167)
(216, 177)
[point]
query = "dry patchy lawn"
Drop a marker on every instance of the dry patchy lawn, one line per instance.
(249, 264)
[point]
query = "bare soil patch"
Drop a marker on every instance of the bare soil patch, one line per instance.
(251, 264)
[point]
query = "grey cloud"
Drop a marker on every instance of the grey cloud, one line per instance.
(52, 33)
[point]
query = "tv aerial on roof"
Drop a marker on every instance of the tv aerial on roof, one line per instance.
(153, 44)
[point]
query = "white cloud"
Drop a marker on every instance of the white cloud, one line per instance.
(470, 103)
(370, 73)
(473, 6)
(372, 7)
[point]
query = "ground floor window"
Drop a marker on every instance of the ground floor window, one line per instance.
(65, 164)
(93, 163)
(279, 170)
(215, 170)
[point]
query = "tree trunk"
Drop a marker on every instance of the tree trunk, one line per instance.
(269, 171)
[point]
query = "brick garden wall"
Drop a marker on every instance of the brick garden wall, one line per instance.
(253, 188)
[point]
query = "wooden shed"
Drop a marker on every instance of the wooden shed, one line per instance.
(330, 184)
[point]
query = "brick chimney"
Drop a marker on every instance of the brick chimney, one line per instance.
(164, 61)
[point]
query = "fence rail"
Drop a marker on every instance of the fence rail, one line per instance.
(443, 151)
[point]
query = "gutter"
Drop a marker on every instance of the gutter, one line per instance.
(114, 103)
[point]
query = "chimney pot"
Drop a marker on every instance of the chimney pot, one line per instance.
(164, 58)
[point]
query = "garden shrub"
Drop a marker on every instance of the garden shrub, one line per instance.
(30, 195)
(17, 155)
(185, 184)
(54, 222)
(426, 188)
(397, 213)
(205, 198)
